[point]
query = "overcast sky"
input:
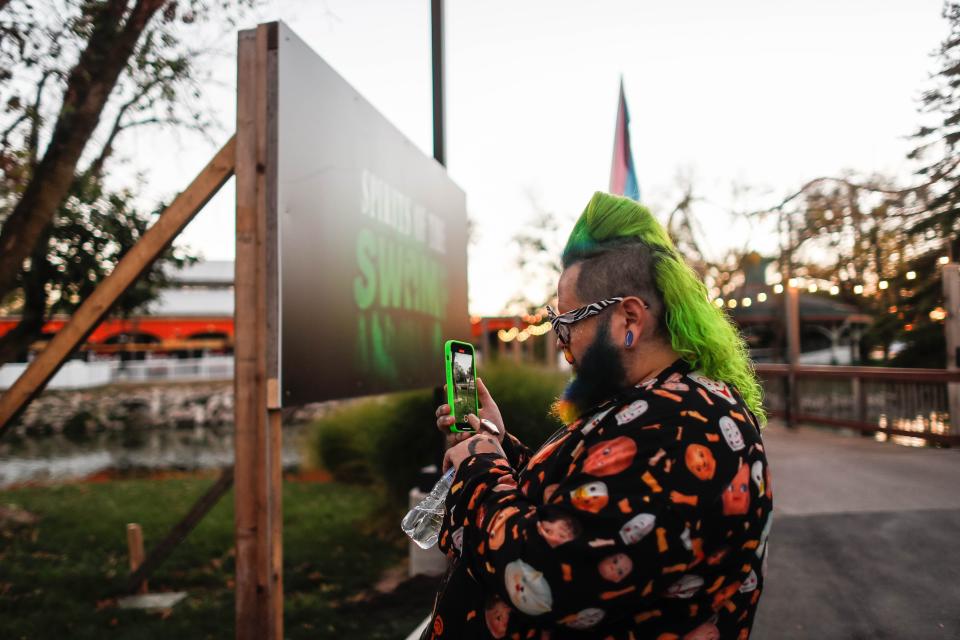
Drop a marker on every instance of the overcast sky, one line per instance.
(763, 93)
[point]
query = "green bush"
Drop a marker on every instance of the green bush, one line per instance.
(383, 439)
(387, 439)
(407, 441)
(340, 442)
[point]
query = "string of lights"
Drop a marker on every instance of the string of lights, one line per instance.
(535, 326)
(813, 285)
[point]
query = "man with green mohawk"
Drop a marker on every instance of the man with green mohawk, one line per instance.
(647, 514)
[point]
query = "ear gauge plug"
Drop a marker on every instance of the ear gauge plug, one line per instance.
(629, 339)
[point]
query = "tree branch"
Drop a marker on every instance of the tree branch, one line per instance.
(96, 167)
(892, 192)
(5, 137)
(33, 139)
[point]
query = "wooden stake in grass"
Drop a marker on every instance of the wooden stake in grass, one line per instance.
(135, 545)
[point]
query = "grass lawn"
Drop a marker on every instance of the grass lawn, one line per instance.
(58, 577)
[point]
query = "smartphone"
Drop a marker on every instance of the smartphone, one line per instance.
(461, 383)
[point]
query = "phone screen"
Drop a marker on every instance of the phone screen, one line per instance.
(464, 386)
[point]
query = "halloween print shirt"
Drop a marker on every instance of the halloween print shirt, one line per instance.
(647, 517)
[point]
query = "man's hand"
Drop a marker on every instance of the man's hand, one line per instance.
(481, 443)
(489, 411)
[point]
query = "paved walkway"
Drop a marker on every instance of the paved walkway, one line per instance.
(865, 541)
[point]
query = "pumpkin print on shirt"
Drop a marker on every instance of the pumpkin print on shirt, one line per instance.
(610, 457)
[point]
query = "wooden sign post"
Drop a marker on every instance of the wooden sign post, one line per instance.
(377, 233)
(135, 546)
(792, 306)
(372, 233)
(257, 471)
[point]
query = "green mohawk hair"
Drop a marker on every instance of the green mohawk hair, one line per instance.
(700, 333)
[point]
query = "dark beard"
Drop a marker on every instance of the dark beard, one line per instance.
(600, 374)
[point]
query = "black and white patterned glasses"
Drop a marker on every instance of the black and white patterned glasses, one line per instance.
(561, 323)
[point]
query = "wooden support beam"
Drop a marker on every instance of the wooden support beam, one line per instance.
(180, 530)
(257, 441)
(792, 309)
(153, 243)
(275, 541)
(245, 404)
(951, 332)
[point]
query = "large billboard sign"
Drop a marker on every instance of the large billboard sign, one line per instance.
(372, 239)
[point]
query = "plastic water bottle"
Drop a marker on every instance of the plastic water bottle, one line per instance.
(423, 522)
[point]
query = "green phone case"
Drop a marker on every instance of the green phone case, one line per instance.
(459, 426)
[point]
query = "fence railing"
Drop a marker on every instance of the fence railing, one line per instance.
(173, 369)
(905, 404)
(77, 374)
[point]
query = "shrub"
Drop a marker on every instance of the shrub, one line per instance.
(524, 395)
(340, 441)
(80, 426)
(388, 439)
(407, 440)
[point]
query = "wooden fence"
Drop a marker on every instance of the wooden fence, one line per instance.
(901, 403)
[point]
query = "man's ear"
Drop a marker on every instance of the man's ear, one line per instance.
(636, 316)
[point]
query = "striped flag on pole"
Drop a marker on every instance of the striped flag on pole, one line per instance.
(623, 178)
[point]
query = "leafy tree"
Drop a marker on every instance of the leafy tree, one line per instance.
(938, 143)
(935, 232)
(864, 233)
(75, 76)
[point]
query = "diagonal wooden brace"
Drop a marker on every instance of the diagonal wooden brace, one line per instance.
(153, 243)
(179, 531)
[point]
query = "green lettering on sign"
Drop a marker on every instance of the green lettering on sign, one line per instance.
(365, 285)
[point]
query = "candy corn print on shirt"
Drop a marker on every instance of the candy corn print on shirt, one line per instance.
(647, 517)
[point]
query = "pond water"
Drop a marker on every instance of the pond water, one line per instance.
(57, 458)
